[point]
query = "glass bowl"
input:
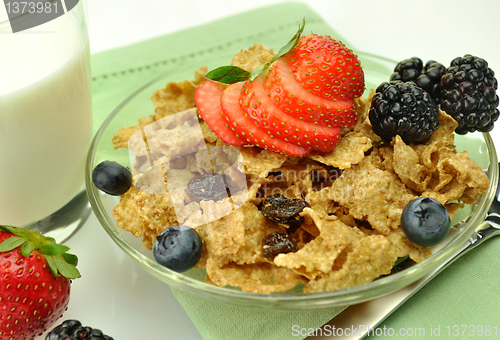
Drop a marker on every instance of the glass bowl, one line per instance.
(138, 104)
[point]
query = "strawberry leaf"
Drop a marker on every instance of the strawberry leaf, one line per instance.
(52, 249)
(65, 269)
(52, 263)
(70, 258)
(11, 243)
(27, 248)
(13, 230)
(228, 74)
(59, 265)
(56, 256)
(234, 74)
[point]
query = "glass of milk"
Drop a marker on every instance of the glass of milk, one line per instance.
(45, 122)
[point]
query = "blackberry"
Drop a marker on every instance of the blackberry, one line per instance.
(403, 108)
(425, 76)
(468, 93)
(73, 330)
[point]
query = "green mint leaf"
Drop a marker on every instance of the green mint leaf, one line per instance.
(70, 258)
(291, 44)
(259, 70)
(233, 74)
(52, 249)
(228, 74)
(284, 50)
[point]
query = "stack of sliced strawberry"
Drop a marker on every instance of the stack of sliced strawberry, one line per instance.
(296, 106)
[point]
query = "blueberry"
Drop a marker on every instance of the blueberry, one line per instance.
(178, 248)
(425, 221)
(112, 178)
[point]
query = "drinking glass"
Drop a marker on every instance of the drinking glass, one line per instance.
(45, 115)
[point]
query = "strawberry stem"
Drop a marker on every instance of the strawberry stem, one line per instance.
(59, 261)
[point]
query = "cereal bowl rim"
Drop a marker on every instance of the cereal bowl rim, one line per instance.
(284, 301)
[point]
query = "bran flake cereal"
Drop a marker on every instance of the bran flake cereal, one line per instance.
(350, 232)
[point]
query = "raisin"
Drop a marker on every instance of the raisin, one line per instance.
(293, 223)
(275, 173)
(276, 243)
(281, 209)
(209, 186)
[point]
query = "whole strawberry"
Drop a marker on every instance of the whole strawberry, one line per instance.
(35, 274)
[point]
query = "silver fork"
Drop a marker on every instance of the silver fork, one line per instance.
(489, 228)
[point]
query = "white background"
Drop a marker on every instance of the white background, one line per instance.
(116, 295)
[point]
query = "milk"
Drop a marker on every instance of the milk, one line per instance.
(45, 118)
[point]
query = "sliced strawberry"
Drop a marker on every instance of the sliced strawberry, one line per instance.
(207, 99)
(326, 68)
(302, 104)
(254, 101)
(250, 131)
